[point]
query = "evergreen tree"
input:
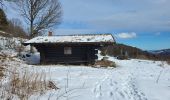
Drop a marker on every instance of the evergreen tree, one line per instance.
(3, 20)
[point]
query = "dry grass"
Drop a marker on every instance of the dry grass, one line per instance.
(25, 85)
(1, 67)
(105, 63)
(1, 72)
(29, 84)
(142, 57)
(19, 84)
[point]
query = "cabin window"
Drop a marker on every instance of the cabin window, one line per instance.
(67, 50)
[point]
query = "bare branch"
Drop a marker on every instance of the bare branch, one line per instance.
(1, 4)
(40, 14)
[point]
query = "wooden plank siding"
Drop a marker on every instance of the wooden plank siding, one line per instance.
(54, 54)
(83, 46)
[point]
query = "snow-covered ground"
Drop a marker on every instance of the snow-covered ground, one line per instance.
(131, 80)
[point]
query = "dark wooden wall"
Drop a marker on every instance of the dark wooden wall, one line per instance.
(85, 54)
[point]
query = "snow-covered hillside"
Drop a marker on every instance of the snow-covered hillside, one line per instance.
(131, 80)
(164, 52)
(9, 43)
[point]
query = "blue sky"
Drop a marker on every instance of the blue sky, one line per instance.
(139, 23)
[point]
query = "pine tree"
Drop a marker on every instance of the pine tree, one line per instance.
(3, 20)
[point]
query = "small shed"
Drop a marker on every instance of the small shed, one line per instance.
(70, 49)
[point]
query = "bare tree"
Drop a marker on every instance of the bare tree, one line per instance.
(1, 4)
(15, 29)
(40, 14)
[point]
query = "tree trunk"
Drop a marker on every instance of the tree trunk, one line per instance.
(31, 36)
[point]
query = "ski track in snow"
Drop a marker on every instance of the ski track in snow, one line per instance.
(119, 88)
(126, 82)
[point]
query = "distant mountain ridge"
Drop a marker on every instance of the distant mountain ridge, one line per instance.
(163, 52)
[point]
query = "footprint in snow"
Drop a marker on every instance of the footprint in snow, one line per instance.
(115, 82)
(111, 94)
(121, 94)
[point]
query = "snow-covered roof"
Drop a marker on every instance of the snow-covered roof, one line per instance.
(83, 38)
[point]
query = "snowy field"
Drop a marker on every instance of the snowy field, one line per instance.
(131, 80)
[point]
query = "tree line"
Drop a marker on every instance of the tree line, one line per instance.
(39, 15)
(12, 27)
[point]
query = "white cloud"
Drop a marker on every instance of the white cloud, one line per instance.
(111, 16)
(120, 15)
(126, 35)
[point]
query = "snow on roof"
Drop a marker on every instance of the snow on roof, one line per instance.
(87, 38)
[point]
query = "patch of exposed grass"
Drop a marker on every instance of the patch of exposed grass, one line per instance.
(19, 84)
(1, 72)
(105, 63)
(1, 66)
(25, 85)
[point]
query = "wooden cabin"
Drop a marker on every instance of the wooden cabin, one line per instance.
(70, 49)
